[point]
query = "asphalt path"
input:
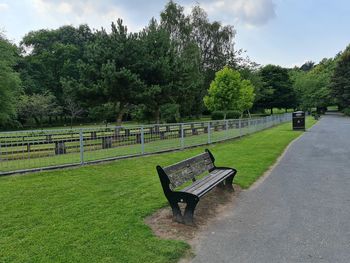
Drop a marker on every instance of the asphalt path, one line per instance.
(299, 213)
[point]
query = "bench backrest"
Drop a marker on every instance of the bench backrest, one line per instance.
(188, 169)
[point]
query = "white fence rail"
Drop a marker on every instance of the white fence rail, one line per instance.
(25, 151)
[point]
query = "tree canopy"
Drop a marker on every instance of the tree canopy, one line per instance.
(229, 92)
(340, 81)
(10, 83)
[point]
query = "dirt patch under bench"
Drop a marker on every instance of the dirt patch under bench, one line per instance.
(212, 206)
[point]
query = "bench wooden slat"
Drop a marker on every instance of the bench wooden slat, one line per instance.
(207, 183)
(188, 169)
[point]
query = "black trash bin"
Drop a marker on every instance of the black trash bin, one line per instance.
(299, 121)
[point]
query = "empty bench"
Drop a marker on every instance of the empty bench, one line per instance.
(189, 171)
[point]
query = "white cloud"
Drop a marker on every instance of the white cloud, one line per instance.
(4, 7)
(248, 12)
(94, 13)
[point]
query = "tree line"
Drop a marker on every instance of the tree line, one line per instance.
(164, 72)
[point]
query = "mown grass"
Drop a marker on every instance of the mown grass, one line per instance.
(95, 213)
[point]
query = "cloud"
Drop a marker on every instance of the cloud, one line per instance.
(94, 13)
(3, 7)
(248, 12)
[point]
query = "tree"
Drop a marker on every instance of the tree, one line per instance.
(158, 68)
(341, 80)
(109, 70)
(51, 55)
(247, 96)
(307, 66)
(277, 88)
(38, 106)
(73, 109)
(313, 86)
(10, 84)
(229, 92)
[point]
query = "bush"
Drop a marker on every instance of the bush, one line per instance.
(233, 114)
(170, 113)
(217, 115)
(346, 111)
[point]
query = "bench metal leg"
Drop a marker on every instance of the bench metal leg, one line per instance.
(189, 211)
(221, 185)
(228, 183)
(177, 216)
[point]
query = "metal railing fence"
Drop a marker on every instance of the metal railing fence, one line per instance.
(25, 151)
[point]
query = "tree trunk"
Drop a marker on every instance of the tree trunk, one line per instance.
(71, 122)
(157, 115)
(37, 121)
(271, 111)
(120, 115)
(225, 115)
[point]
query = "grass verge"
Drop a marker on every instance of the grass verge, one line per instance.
(95, 213)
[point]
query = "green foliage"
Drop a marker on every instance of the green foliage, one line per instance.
(341, 80)
(277, 90)
(170, 113)
(346, 111)
(313, 86)
(105, 112)
(233, 114)
(217, 115)
(229, 92)
(10, 84)
(38, 106)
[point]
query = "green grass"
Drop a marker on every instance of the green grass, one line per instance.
(95, 213)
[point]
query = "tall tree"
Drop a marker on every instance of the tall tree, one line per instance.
(313, 86)
(52, 55)
(277, 88)
(9, 82)
(158, 67)
(341, 80)
(109, 70)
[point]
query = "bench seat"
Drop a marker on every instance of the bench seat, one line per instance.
(204, 185)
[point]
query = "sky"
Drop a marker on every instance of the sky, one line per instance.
(282, 32)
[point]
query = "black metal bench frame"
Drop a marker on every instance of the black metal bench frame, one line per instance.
(173, 176)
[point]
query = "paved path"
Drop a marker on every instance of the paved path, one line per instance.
(300, 213)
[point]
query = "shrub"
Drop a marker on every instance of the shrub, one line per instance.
(170, 113)
(217, 115)
(233, 115)
(346, 111)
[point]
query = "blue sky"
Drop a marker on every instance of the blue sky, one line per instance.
(283, 32)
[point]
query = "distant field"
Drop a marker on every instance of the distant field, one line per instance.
(95, 213)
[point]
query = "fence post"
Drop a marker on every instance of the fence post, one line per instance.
(240, 127)
(209, 131)
(182, 136)
(81, 143)
(142, 141)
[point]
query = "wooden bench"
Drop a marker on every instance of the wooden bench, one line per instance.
(189, 170)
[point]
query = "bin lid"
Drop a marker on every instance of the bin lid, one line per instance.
(298, 113)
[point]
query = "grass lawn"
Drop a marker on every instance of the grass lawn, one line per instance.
(95, 213)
